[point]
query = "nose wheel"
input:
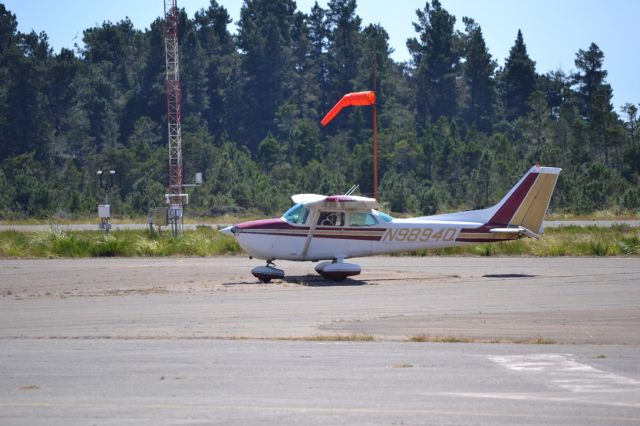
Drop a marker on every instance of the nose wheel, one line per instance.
(267, 273)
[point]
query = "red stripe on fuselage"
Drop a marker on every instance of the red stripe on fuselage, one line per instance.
(279, 228)
(268, 224)
(350, 237)
(340, 236)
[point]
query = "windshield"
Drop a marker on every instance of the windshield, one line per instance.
(385, 216)
(296, 214)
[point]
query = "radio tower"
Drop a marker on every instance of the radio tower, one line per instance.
(175, 198)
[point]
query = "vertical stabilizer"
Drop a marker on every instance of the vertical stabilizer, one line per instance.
(527, 202)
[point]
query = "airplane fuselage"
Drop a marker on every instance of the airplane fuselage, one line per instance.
(277, 239)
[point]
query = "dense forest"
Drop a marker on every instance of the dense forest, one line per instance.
(456, 128)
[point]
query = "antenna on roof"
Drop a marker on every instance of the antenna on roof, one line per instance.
(353, 189)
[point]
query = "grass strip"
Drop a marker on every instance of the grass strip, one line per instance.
(618, 240)
(202, 241)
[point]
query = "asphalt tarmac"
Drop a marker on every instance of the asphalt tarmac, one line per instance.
(199, 341)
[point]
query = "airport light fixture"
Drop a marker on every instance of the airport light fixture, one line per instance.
(104, 210)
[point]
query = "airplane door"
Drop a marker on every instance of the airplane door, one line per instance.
(329, 238)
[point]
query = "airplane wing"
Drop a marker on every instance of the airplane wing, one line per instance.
(307, 198)
(348, 202)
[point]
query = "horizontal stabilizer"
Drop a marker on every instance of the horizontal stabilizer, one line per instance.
(520, 230)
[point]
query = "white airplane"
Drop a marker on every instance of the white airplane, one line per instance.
(338, 227)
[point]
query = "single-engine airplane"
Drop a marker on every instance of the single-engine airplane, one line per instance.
(338, 227)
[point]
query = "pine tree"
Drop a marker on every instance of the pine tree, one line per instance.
(590, 76)
(264, 36)
(345, 48)
(478, 72)
(304, 95)
(9, 59)
(318, 56)
(520, 79)
(435, 61)
(594, 97)
(220, 50)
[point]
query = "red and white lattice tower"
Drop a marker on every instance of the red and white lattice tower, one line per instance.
(174, 116)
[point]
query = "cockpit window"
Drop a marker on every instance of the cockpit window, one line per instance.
(384, 216)
(331, 219)
(296, 215)
(362, 219)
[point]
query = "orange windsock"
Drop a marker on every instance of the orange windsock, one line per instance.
(350, 99)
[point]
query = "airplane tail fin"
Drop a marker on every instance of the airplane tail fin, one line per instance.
(527, 202)
(520, 211)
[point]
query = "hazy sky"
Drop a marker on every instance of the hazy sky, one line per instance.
(553, 30)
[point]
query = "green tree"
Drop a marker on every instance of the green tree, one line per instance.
(28, 178)
(270, 152)
(376, 56)
(435, 60)
(590, 76)
(318, 57)
(304, 93)
(478, 70)
(220, 47)
(594, 100)
(9, 59)
(345, 46)
(520, 79)
(23, 96)
(554, 85)
(632, 120)
(264, 37)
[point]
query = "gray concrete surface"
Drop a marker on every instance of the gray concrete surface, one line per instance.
(292, 383)
(197, 340)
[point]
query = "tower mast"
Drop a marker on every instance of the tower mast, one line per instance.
(175, 198)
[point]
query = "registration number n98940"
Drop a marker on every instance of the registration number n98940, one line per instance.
(420, 234)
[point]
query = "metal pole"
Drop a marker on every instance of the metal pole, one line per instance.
(375, 151)
(375, 130)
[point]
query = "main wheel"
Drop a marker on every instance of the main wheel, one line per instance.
(266, 273)
(335, 276)
(339, 271)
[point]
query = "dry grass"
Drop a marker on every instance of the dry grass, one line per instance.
(334, 338)
(422, 338)
(29, 388)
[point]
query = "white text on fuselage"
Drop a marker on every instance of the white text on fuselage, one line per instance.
(422, 235)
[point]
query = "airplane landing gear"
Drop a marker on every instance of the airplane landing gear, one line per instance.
(266, 273)
(337, 270)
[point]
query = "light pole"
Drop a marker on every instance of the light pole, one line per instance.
(104, 210)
